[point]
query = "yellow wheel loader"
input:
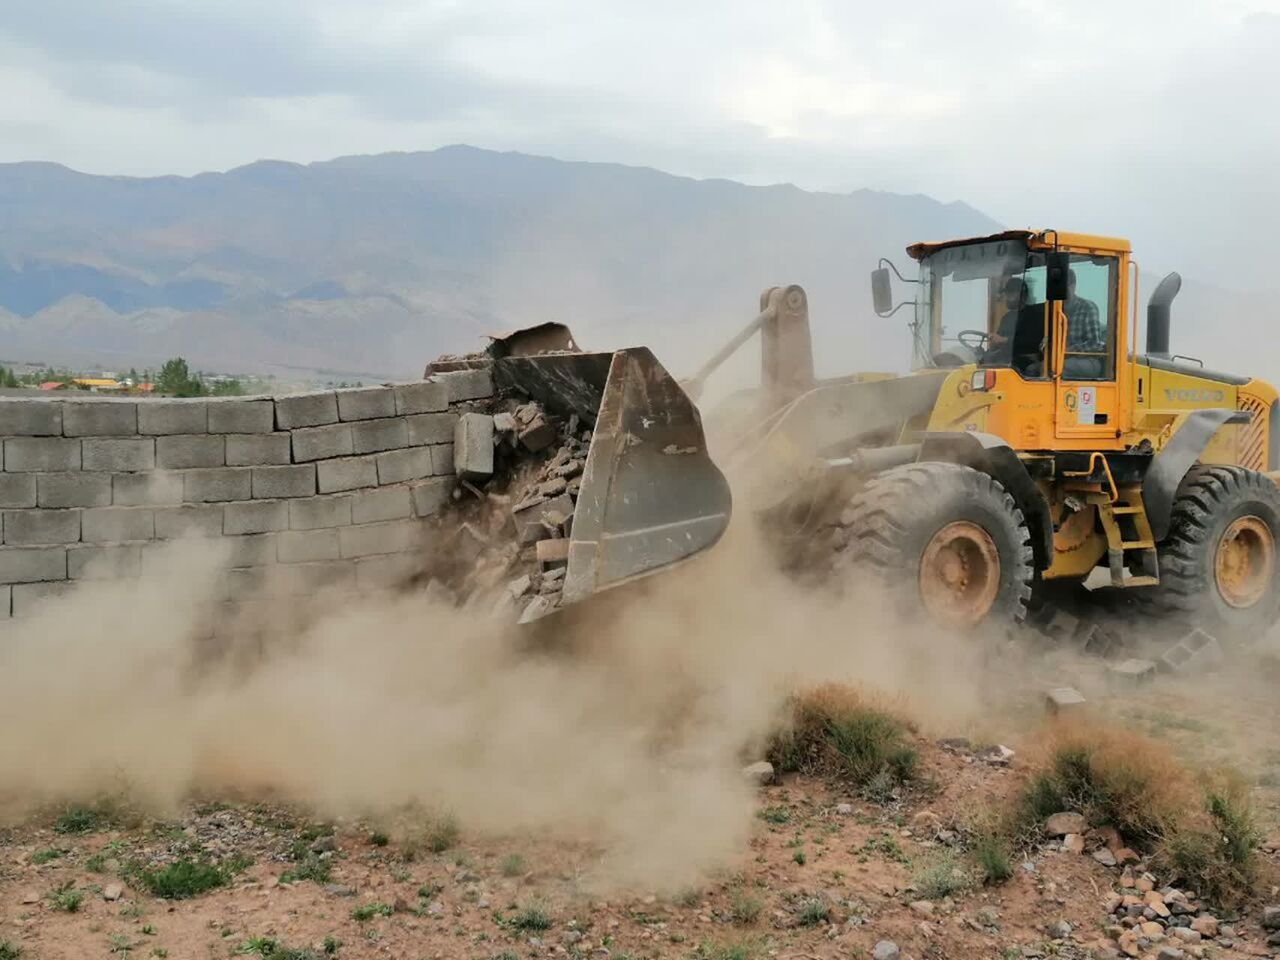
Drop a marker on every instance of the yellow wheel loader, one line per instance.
(1032, 443)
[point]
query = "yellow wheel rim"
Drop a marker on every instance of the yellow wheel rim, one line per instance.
(960, 574)
(1245, 561)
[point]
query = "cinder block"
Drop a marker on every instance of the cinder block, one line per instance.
(114, 561)
(387, 503)
(256, 449)
(304, 546)
(306, 410)
(467, 384)
(180, 523)
(399, 466)
(157, 417)
(388, 571)
(241, 416)
(366, 403)
(99, 418)
(30, 418)
(319, 443)
(1059, 700)
(424, 396)
(253, 550)
(28, 598)
(113, 524)
(428, 428)
(40, 454)
(373, 436)
(347, 473)
(30, 564)
(197, 450)
(17, 489)
(61, 490)
(431, 496)
(120, 456)
(317, 512)
(1131, 672)
(217, 484)
(256, 516)
(473, 446)
(441, 459)
(298, 480)
(32, 527)
(146, 489)
(397, 536)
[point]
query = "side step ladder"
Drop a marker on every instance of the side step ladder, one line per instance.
(1127, 517)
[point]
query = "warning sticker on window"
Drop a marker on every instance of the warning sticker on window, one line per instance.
(1088, 404)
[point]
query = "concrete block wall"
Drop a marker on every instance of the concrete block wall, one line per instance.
(306, 491)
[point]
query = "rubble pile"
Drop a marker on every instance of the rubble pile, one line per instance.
(511, 551)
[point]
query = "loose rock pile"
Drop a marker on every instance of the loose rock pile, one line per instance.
(512, 551)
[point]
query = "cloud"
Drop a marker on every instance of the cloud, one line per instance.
(1147, 119)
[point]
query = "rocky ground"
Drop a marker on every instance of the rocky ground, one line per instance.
(826, 874)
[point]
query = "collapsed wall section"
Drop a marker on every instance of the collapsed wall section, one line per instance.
(328, 490)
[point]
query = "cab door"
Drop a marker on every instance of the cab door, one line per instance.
(1085, 333)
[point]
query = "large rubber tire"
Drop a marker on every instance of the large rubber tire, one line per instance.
(895, 521)
(1211, 501)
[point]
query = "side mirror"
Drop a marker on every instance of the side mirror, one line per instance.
(1058, 269)
(882, 291)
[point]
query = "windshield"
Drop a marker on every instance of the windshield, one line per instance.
(982, 302)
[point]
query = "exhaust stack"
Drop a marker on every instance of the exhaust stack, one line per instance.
(1158, 315)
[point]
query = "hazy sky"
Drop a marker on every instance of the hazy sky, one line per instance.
(1148, 118)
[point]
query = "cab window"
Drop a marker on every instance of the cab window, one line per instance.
(1090, 310)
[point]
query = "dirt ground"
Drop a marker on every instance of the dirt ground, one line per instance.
(825, 874)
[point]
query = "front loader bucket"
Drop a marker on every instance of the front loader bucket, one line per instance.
(651, 497)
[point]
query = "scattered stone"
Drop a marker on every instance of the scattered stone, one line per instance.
(923, 907)
(1064, 700)
(1185, 934)
(29, 897)
(998, 755)
(537, 434)
(112, 892)
(1105, 857)
(1073, 843)
(886, 950)
(758, 773)
(1206, 926)
(325, 844)
(1132, 672)
(844, 809)
(955, 744)
(1271, 918)
(1151, 930)
(1156, 903)
(1197, 650)
(1126, 855)
(1059, 931)
(1062, 824)
(1170, 953)
(339, 890)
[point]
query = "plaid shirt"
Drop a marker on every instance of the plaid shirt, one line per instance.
(1084, 328)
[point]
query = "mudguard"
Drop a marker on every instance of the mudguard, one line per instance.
(1170, 465)
(993, 456)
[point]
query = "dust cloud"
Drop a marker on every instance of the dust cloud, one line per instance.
(630, 732)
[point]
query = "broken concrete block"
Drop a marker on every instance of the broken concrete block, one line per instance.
(553, 487)
(473, 446)
(538, 434)
(532, 522)
(553, 551)
(758, 773)
(1062, 699)
(538, 608)
(504, 422)
(1197, 649)
(1132, 671)
(1062, 625)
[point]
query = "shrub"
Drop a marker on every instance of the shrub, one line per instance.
(367, 911)
(310, 867)
(513, 865)
(532, 916)
(744, 908)
(835, 730)
(182, 879)
(812, 912)
(940, 878)
(9, 950)
(66, 898)
(991, 850)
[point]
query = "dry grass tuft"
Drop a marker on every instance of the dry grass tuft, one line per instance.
(838, 730)
(1201, 829)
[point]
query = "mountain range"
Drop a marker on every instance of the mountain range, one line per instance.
(372, 265)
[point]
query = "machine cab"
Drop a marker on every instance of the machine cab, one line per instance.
(1043, 318)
